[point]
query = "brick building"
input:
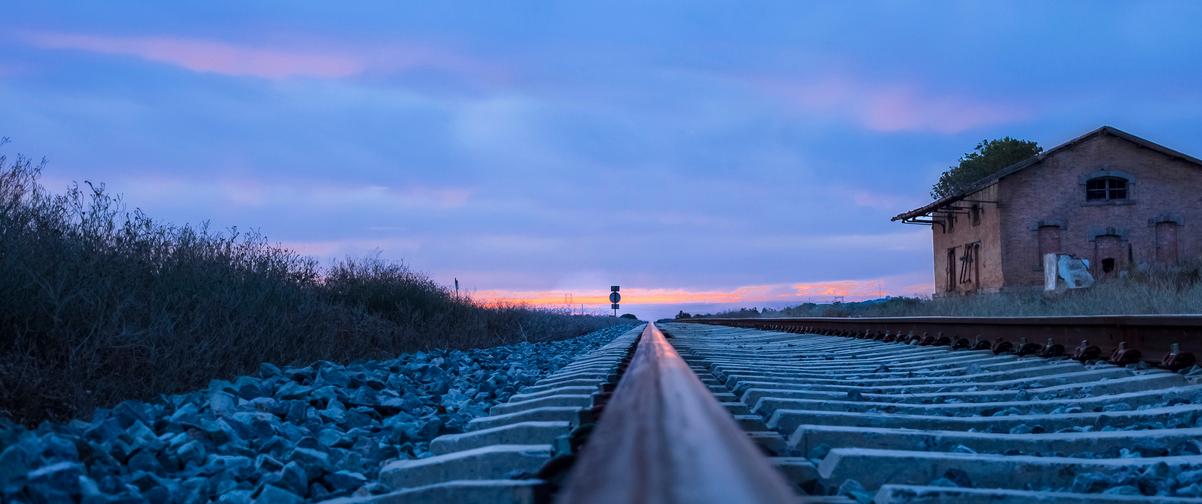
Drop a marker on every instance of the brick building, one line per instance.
(1110, 197)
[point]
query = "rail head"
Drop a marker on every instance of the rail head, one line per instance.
(1155, 320)
(663, 437)
(1170, 341)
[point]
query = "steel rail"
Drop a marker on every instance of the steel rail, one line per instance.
(1170, 341)
(664, 438)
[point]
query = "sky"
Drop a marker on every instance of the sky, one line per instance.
(702, 155)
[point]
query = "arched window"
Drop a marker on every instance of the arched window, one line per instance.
(1106, 188)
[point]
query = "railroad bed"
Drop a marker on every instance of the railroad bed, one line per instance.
(707, 413)
(906, 423)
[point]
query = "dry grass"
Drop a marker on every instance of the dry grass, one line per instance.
(1174, 290)
(100, 304)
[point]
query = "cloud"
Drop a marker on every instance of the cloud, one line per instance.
(331, 249)
(749, 295)
(209, 56)
(241, 60)
(912, 239)
(318, 194)
(892, 107)
(882, 201)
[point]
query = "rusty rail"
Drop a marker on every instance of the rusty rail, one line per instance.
(664, 438)
(1169, 341)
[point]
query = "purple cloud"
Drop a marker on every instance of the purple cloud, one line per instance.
(889, 107)
(206, 56)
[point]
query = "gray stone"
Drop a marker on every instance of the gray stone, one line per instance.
(330, 437)
(191, 452)
(221, 403)
(248, 387)
(231, 464)
(853, 490)
(292, 390)
(265, 404)
(265, 463)
(340, 481)
(103, 429)
(364, 396)
(301, 374)
(324, 394)
(218, 431)
(235, 497)
(332, 375)
(296, 411)
(145, 460)
(314, 462)
(294, 478)
(128, 412)
(186, 414)
(253, 424)
(14, 462)
(268, 369)
(61, 476)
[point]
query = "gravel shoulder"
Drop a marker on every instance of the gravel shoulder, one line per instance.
(288, 434)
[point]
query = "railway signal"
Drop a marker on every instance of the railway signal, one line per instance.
(614, 298)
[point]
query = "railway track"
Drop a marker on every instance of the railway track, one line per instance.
(903, 422)
(714, 413)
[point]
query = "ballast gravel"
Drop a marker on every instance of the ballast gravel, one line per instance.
(287, 435)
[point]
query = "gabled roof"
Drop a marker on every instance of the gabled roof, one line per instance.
(1034, 160)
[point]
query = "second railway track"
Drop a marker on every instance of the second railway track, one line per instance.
(897, 422)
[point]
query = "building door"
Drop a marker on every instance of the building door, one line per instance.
(1109, 256)
(1049, 242)
(1166, 242)
(970, 267)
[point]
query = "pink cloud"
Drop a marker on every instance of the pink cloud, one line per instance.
(892, 107)
(207, 56)
(199, 55)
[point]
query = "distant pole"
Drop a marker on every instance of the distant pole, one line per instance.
(456, 288)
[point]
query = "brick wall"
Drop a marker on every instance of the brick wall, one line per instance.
(986, 274)
(1163, 191)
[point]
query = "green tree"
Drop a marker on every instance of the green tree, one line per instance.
(989, 157)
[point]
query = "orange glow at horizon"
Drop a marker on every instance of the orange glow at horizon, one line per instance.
(790, 292)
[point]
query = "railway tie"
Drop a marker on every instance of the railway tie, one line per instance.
(712, 413)
(897, 422)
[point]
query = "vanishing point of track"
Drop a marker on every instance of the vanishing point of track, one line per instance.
(716, 413)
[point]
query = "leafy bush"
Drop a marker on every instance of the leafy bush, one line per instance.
(100, 304)
(989, 157)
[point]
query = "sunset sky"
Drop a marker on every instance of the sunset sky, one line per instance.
(701, 154)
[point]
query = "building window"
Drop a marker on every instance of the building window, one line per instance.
(1106, 188)
(951, 270)
(975, 213)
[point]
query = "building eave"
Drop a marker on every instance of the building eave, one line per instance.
(1031, 161)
